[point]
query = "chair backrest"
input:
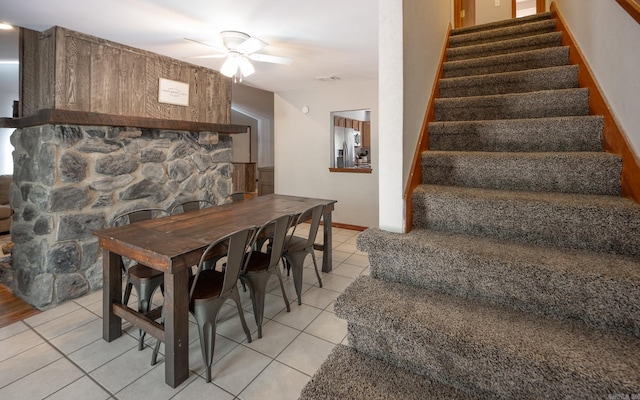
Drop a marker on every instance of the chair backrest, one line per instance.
(276, 230)
(238, 244)
(190, 205)
(314, 214)
(142, 214)
(240, 196)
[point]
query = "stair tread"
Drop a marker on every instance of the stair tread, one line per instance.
(349, 374)
(594, 288)
(495, 340)
(510, 76)
(527, 43)
(502, 33)
(539, 58)
(503, 23)
(572, 133)
(543, 103)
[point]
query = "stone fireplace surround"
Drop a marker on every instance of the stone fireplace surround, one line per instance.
(70, 180)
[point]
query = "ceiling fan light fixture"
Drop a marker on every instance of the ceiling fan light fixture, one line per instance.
(230, 66)
(246, 68)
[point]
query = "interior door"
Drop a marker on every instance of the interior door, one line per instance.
(465, 13)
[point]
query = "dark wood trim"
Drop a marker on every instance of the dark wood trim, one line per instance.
(347, 226)
(67, 117)
(457, 13)
(513, 8)
(614, 140)
(632, 7)
(353, 170)
(415, 174)
(540, 6)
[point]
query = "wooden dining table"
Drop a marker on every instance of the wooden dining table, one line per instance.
(173, 245)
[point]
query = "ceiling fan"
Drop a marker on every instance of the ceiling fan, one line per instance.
(238, 49)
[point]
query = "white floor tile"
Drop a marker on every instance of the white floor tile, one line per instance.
(328, 327)
(42, 382)
(13, 329)
(306, 353)
(277, 381)
(275, 338)
(319, 297)
(300, 316)
(53, 313)
(100, 352)
(84, 388)
(125, 369)
(69, 322)
(200, 390)
(238, 368)
(149, 387)
(27, 362)
(16, 344)
(79, 337)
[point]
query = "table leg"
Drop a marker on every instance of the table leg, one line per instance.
(327, 265)
(111, 294)
(176, 327)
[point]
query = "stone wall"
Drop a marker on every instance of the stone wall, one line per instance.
(70, 180)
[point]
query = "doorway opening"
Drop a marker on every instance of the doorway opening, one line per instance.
(523, 8)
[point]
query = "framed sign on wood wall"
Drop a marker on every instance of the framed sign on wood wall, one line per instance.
(173, 92)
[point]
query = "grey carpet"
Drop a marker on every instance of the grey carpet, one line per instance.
(581, 133)
(348, 374)
(474, 346)
(521, 276)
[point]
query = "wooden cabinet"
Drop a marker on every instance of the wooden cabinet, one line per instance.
(365, 132)
(265, 180)
(244, 177)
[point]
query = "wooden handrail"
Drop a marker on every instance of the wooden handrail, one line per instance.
(632, 7)
(415, 174)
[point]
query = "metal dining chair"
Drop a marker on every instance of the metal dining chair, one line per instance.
(210, 289)
(260, 265)
(241, 196)
(191, 205)
(146, 280)
(296, 248)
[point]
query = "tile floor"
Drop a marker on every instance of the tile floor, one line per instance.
(60, 354)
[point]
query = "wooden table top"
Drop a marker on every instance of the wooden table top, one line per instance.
(176, 242)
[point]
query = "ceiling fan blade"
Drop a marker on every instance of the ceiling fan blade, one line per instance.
(251, 45)
(210, 56)
(217, 48)
(270, 59)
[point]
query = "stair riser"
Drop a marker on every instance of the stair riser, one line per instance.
(555, 103)
(507, 33)
(507, 47)
(558, 285)
(585, 173)
(529, 219)
(544, 58)
(565, 77)
(480, 371)
(534, 135)
(501, 24)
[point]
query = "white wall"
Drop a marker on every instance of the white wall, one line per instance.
(609, 38)
(486, 11)
(8, 93)
(258, 105)
(244, 146)
(303, 147)
(411, 38)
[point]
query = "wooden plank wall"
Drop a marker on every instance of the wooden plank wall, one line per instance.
(68, 70)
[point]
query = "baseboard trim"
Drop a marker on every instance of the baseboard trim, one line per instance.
(614, 140)
(347, 226)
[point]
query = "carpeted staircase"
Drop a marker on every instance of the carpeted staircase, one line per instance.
(521, 276)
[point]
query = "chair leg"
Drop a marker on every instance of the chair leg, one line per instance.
(236, 297)
(284, 294)
(315, 265)
(257, 283)
(295, 262)
(206, 316)
(145, 293)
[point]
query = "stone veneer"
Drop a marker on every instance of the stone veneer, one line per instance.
(70, 180)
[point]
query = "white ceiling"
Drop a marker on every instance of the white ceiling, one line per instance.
(323, 37)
